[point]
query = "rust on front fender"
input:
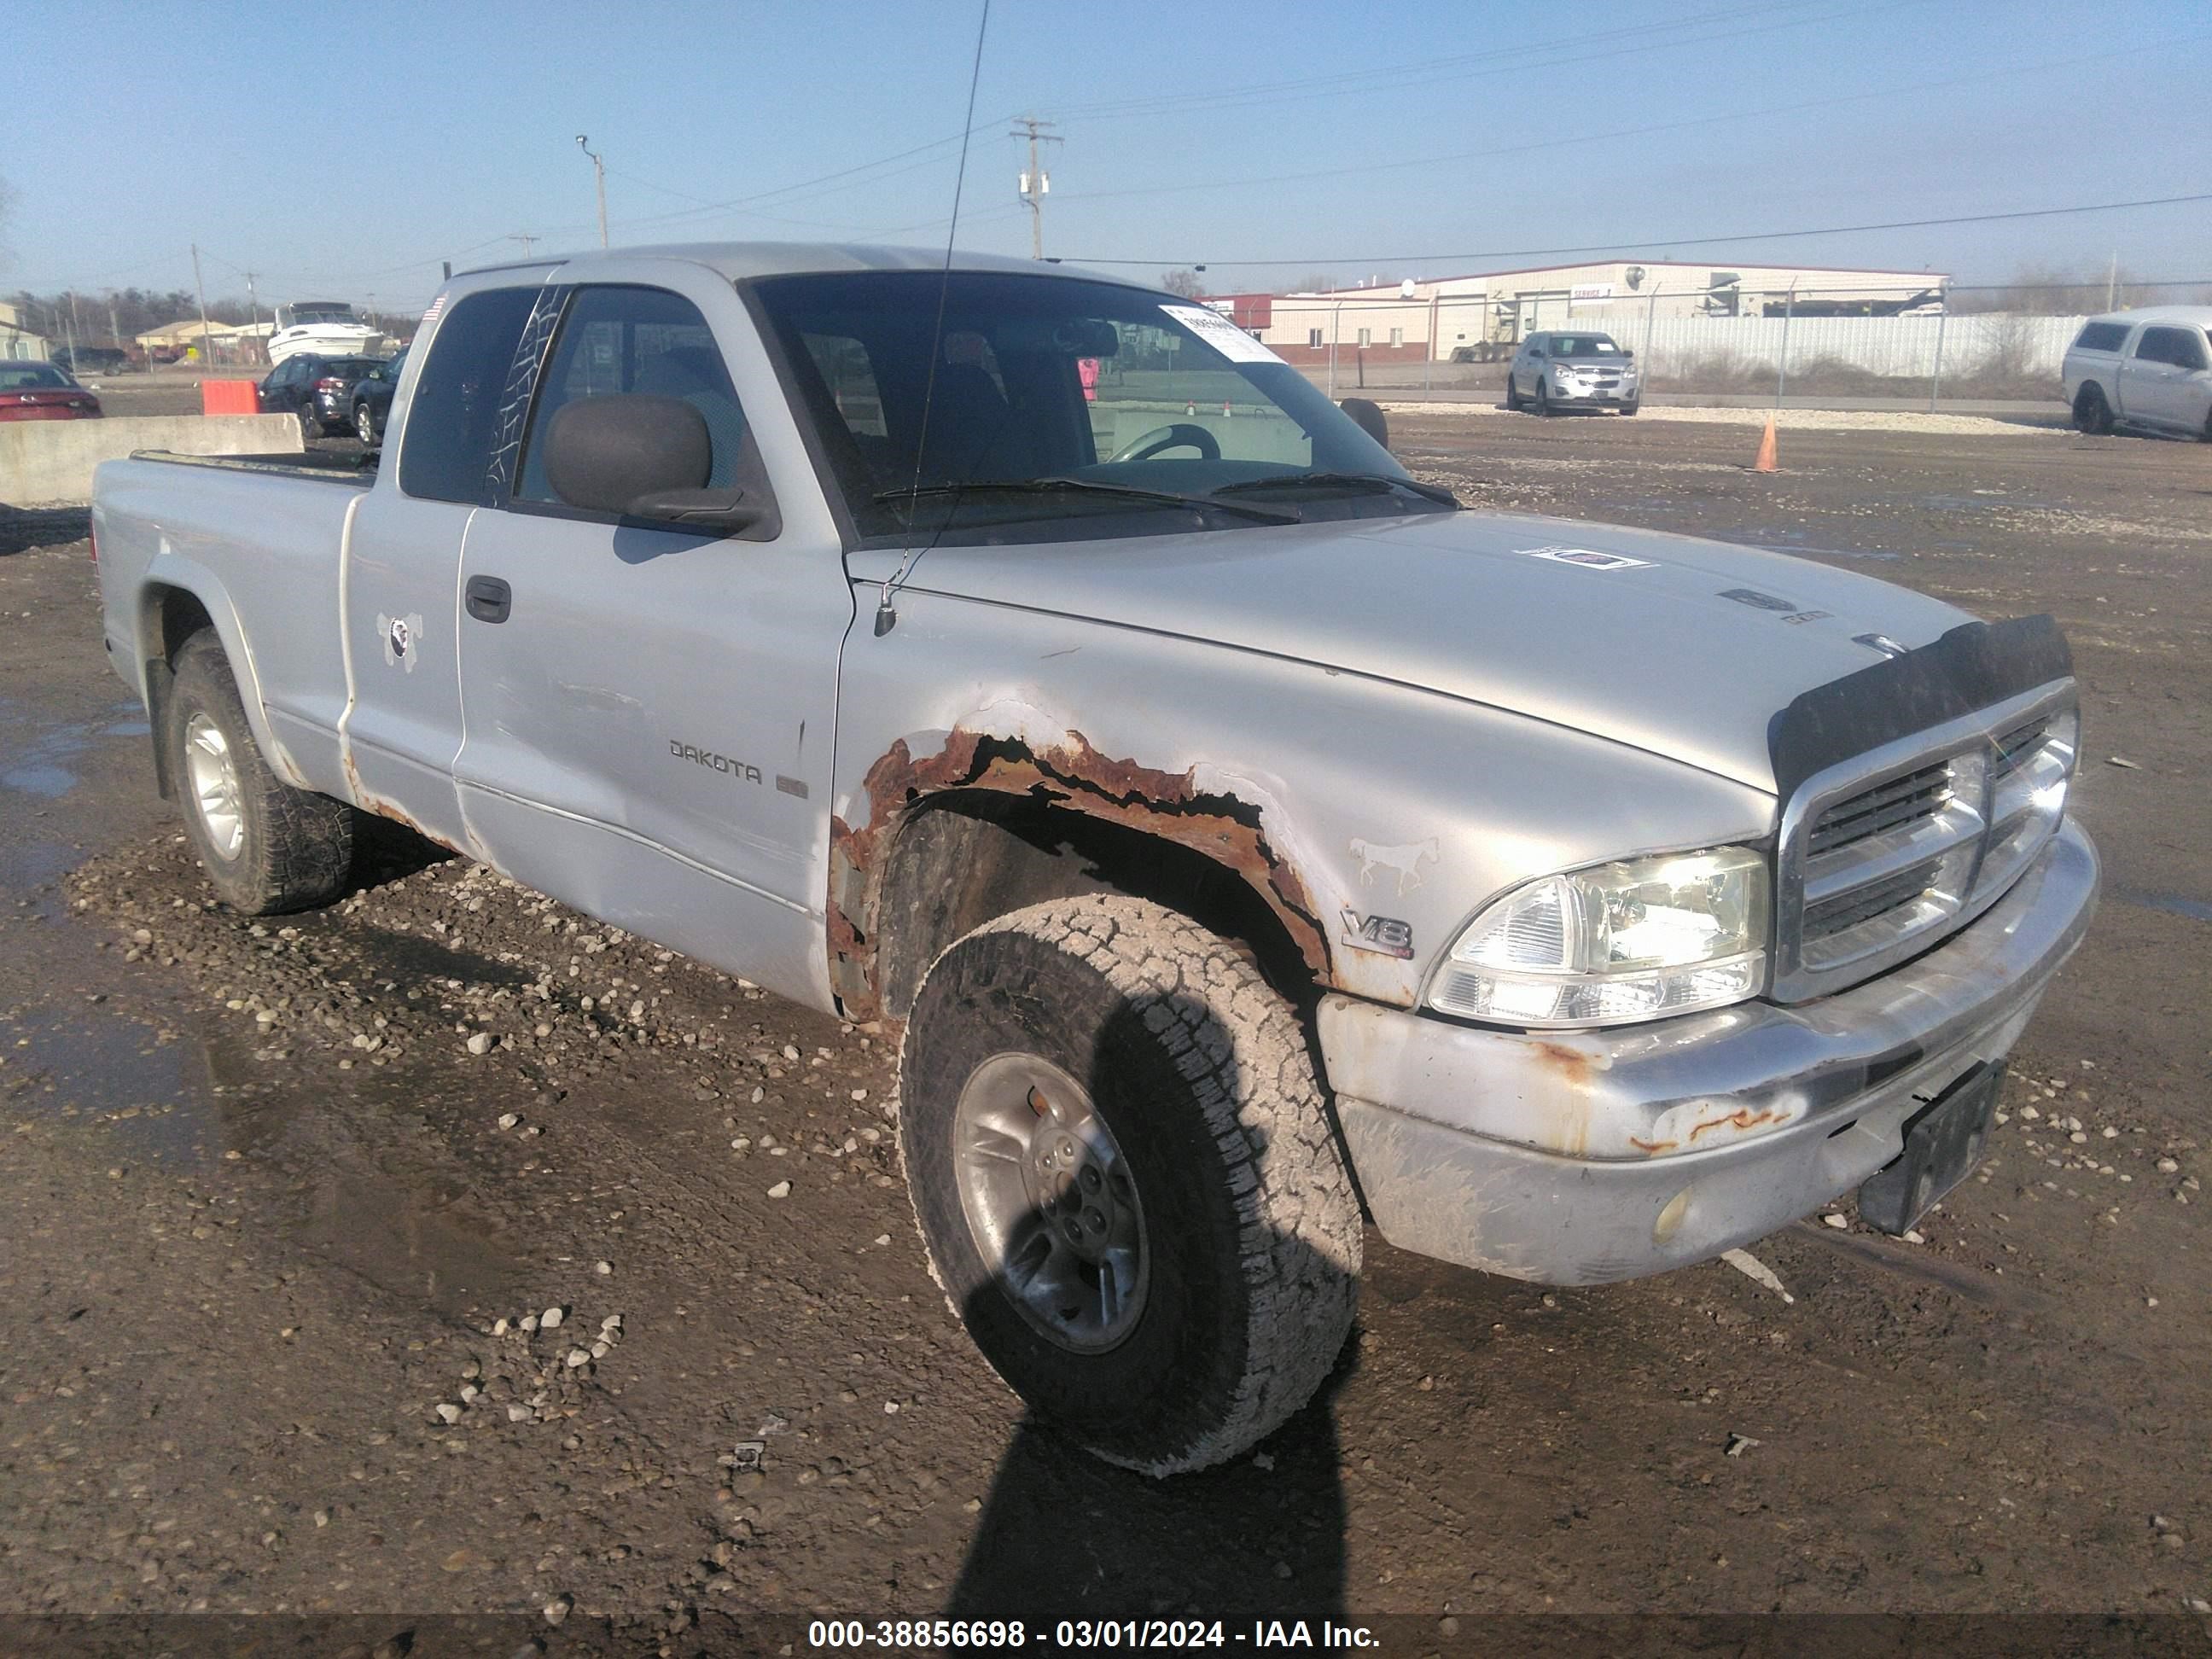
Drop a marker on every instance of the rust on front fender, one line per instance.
(1071, 774)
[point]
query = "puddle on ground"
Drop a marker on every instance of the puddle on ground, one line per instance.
(179, 1099)
(40, 764)
(2173, 903)
(417, 1244)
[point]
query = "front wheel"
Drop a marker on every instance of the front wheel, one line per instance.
(1543, 398)
(266, 846)
(311, 424)
(364, 424)
(1512, 395)
(1126, 1179)
(1632, 407)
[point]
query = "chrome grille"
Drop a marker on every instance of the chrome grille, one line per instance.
(1883, 855)
(1917, 794)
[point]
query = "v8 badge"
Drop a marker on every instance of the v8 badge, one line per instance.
(1386, 936)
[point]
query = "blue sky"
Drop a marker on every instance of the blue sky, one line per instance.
(346, 149)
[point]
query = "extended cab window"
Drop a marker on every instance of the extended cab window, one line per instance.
(645, 340)
(452, 424)
(2101, 337)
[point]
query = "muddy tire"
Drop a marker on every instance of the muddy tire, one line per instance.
(2092, 414)
(1127, 1181)
(266, 846)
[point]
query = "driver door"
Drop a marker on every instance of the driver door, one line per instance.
(648, 711)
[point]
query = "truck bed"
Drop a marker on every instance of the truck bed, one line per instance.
(358, 469)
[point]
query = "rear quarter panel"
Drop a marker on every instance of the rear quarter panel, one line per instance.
(260, 552)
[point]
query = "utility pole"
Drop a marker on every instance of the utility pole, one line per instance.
(599, 171)
(253, 303)
(1037, 182)
(523, 237)
(114, 328)
(2112, 285)
(77, 328)
(207, 335)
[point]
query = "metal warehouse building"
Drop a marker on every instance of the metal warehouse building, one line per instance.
(1483, 315)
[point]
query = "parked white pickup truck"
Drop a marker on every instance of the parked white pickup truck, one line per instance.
(1244, 839)
(2149, 369)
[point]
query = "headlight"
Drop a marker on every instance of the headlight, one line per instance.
(1618, 942)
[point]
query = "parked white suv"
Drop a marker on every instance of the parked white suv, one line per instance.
(1573, 370)
(2149, 368)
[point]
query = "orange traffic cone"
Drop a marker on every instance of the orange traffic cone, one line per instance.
(1764, 462)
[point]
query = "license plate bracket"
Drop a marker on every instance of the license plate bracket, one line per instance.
(1943, 1142)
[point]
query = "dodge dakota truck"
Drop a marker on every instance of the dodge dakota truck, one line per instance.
(1242, 841)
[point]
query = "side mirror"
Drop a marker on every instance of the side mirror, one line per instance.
(641, 457)
(1368, 418)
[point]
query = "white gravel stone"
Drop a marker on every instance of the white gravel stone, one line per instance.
(480, 1043)
(508, 1119)
(447, 1411)
(1834, 1220)
(577, 1358)
(782, 1189)
(551, 1319)
(603, 1268)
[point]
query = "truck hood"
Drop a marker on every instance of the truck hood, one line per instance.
(1680, 647)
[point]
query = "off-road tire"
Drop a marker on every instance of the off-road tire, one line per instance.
(297, 849)
(2093, 415)
(1512, 396)
(1202, 1074)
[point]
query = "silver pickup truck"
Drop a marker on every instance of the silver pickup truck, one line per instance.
(1243, 840)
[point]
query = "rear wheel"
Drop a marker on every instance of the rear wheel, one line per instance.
(266, 846)
(1125, 1180)
(2092, 414)
(364, 424)
(311, 424)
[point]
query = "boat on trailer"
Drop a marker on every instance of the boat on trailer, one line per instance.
(328, 328)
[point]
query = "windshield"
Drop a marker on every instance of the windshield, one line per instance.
(33, 377)
(1058, 379)
(320, 311)
(1585, 345)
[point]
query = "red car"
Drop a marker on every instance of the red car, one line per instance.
(35, 391)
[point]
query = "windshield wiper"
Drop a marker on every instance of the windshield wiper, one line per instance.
(1368, 481)
(1093, 487)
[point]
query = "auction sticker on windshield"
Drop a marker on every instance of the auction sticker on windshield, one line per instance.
(1223, 336)
(1589, 558)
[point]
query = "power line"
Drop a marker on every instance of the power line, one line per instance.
(1533, 145)
(1661, 241)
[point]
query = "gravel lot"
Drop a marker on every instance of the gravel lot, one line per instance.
(287, 1209)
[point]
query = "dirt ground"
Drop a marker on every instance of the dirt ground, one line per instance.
(274, 1233)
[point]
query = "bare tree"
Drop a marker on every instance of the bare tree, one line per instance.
(1188, 283)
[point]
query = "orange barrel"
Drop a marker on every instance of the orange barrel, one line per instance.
(228, 398)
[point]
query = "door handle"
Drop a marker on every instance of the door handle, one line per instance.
(488, 598)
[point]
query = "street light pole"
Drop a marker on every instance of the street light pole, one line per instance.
(599, 173)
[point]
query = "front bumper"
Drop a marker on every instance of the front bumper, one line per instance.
(1581, 1158)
